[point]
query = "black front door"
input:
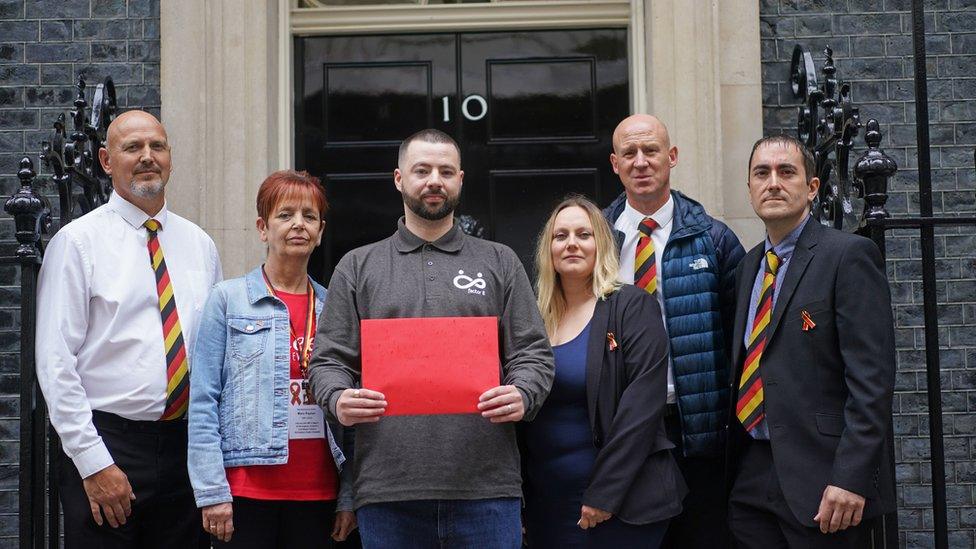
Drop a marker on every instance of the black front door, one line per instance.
(533, 113)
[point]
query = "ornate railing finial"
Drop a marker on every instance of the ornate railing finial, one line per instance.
(828, 101)
(829, 68)
(78, 115)
(828, 124)
(31, 212)
(873, 169)
(74, 158)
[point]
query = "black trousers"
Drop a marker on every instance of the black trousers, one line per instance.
(760, 517)
(152, 454)
(270, 524)
(703, 523)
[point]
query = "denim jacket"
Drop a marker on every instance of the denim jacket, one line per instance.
(239, 378)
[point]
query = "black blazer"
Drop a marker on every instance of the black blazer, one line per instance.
(634, 476)
(827, 390)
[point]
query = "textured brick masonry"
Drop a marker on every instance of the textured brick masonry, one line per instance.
(872, 46)
(45, 45)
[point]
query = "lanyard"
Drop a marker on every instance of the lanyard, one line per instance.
(309, 323)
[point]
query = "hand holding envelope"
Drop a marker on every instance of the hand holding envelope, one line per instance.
(502, 404)
(360, 406)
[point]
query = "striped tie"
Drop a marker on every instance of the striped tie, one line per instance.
(177, 378)
(645, 264)
(750, 408)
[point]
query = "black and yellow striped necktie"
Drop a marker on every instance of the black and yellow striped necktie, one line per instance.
(177, 367)
(645, 262)
(750, 408)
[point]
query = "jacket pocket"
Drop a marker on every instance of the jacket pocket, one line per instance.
(246, 411)
(814, 308)
(830, 424)
(247, 337)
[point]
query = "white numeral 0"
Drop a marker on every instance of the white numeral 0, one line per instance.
(446, 106)
(478, 99)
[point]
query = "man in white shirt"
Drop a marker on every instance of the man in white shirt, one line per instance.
(119, 295)
(672, 248)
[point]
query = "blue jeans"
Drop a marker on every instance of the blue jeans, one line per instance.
(445, 523)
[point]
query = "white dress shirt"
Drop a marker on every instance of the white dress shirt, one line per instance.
(99, 332)
(627, 223)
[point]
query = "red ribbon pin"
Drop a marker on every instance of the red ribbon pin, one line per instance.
(295, 388)
(808, 323)
(611, 341)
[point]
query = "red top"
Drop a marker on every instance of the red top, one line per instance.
(310, 473)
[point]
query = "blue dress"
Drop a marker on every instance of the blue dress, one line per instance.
(559, 456)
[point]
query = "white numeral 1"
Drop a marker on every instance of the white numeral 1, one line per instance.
(447, 109)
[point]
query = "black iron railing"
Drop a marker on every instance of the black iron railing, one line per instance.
(82, 186)
(828, 124)
(32, 216)
(925, 223)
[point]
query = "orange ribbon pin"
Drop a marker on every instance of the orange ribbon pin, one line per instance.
(611, 341)
(808, 323)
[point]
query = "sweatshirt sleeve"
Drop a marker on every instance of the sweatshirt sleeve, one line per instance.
(527, 361)
(335, 364)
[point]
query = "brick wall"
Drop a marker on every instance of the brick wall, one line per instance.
(872, 46)
(45, 45)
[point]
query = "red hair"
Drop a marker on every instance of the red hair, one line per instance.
(286, 185)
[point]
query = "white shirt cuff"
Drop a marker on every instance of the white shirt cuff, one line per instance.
(93, 460)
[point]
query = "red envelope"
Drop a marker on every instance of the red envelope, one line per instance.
(430, 365)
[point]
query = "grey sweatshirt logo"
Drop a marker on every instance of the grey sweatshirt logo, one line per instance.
(472, 285)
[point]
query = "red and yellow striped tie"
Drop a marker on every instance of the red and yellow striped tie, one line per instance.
(750, 408)
(645, 264)
(177, 370)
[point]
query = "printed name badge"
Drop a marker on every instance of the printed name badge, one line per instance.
(305, 419)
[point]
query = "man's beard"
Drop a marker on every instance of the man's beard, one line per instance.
(146, 189)
(418, 207)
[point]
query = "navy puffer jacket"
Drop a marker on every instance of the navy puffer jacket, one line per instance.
(697, 283)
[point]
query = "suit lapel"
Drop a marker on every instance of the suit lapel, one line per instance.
(599, 327)
(802, 254)
(750, 266)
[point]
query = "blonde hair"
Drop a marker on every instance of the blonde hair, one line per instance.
(549, 289)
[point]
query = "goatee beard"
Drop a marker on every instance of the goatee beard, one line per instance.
(418, 207)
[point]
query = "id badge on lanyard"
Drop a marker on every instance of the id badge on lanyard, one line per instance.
(305, 417)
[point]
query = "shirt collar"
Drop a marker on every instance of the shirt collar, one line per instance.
(784, 250)
(406, 242)
(254, 283)
(662, 216)
(133, 215)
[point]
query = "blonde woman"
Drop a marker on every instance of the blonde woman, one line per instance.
(598, 470)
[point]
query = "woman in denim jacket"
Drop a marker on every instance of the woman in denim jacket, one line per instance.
(263, 461)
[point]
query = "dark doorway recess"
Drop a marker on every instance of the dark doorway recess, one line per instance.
(532, 111)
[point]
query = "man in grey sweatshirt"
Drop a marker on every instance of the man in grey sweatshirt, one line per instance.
(433, 480)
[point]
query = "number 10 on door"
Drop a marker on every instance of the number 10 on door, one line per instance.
(481, 109)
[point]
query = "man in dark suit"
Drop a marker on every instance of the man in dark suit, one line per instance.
(814, 359)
